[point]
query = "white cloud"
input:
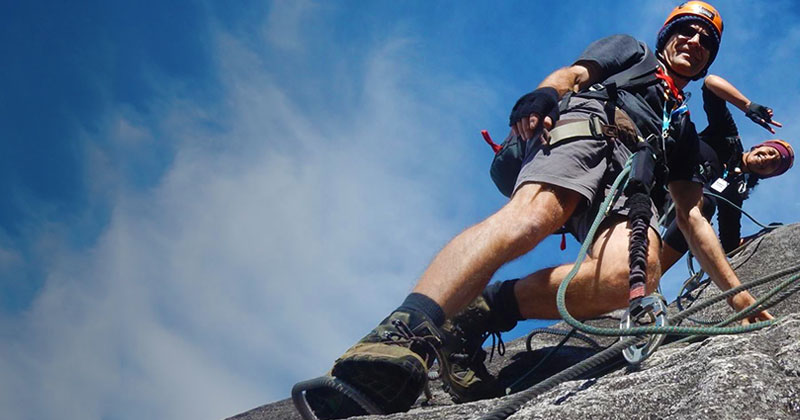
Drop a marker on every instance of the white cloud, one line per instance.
(264, 252)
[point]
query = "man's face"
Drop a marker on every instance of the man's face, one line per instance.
(687, 50)
(763, 160)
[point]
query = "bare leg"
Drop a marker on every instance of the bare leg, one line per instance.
(464, 266)
(601, 284)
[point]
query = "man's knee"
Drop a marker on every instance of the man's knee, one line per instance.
(537, 210)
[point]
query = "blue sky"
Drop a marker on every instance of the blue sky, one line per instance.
(204, 203)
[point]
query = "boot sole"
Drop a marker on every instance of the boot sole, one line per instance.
(392, 384)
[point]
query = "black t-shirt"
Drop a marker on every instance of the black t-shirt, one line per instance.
(719, 135)
(645, 104)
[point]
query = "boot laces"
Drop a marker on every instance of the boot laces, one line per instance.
(497, 340)
(426, 345)
(469, 354)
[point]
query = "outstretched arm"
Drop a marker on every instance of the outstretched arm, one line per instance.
(760, 114)
(726, 91)
(705, 246)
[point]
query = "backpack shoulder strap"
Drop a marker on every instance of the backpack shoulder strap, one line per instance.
(640, 74)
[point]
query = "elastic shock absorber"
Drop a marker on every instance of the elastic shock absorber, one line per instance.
(640, 182)
(642, 308)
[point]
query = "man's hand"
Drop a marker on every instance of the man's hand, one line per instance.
(762, 116)
(530, 128)
(741, 301)
(526, 116)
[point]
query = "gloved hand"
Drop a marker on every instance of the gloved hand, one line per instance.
(762, 116)
(539, 104)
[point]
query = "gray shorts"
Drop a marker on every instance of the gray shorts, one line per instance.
(587, 166)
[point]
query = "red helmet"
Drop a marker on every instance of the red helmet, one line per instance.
(786, 152)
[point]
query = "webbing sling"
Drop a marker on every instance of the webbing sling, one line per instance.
(590, 128)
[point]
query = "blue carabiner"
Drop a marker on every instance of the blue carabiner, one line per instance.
(680, 110)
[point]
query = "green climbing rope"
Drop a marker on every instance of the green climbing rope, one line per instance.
(672, 329)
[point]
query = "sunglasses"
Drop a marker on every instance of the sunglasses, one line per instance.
(688, 31)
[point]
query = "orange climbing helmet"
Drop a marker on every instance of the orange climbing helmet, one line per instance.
(699, 9)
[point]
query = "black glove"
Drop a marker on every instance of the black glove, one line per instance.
(759, 114)
(542, 101)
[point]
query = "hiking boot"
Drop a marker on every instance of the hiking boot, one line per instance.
(462, 369)
(390, 365)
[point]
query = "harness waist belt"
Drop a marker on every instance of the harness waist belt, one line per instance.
(590, 128)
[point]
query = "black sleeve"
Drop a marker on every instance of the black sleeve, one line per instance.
(730, 220)
(721, 125)
(613, 54)
(720, 120)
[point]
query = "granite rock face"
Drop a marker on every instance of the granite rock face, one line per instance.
(754, 375)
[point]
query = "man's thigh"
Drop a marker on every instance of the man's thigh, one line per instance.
(610, 256)
(601, 284)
